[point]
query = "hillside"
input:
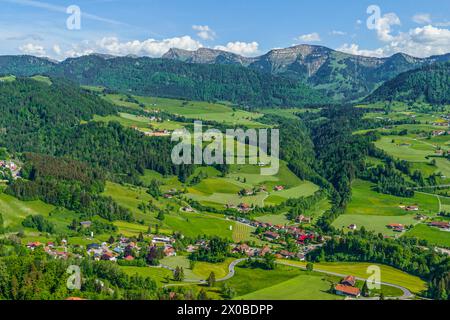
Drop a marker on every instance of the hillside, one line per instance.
(174, 79)
(429, 84)
(29, 107)
(339, 75)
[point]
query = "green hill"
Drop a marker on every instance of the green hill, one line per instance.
(429, 84)
(172, 79)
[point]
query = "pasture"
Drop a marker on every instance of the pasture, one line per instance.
(434, 236)
(359, 269)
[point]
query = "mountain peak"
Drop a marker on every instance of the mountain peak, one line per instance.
(206, 56)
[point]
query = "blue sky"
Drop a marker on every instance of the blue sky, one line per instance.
(247, 27)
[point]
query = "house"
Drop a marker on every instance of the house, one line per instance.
(244, 207)
(278, 188)
(352, 226)
(187, 209)
(167, 196)
(161, 239)
(440, 224)
(302, 219)
(344, 290)
(349, 281)
(271, 235)
(438, 133)
(129, 258)
(86, 224)
(33, 245)
(421, 217)
(286, 254)
(108, 256)
(169, 251)
(412, 208)
(265, 250)
(396, 227)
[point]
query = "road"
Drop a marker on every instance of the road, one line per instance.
(231, 272)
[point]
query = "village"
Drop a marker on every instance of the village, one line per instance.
(9, 168)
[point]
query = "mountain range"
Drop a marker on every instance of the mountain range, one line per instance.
(339, 75)
(295, 76)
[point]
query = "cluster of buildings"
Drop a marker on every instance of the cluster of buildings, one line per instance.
(58, 252)
(347, 287)
(444, 225)
(11, 166)
(396, 227)
(437, 133)
(127, 249)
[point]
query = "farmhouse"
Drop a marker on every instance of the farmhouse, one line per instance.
(244, 207)
(344, 290)
(438, 133)
(302, 219)
(396, 227)
(271, 235)
(440, 224)
(86, 224)
(278, 188)
(412, 208)
(353, 226)
(349, 281)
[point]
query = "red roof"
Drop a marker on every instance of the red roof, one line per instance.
(129, 258)
(348, 290)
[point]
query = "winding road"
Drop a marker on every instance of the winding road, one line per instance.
(407, 294)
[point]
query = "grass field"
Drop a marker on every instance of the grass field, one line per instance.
(222, 113)
(159, 275)
(406, 148)
(434, 236)
(374, 210)
(219, 191)
(303, 287)
(201, 270)
(365, 201)
(14, 210)
(190, 224)
(359, 269)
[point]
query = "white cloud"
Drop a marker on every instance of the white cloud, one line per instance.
(422, 18)
(149, 47)
(384, 24)
(419, 42)
(33, 49)
(354, 49)
(242, 48)
(57, 49)
(310, 37)
(204, 32)
(338, 33)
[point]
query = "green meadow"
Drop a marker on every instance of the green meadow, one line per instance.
(433, 235)
(375, 210)
(359, 269)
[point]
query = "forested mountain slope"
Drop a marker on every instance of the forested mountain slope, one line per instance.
(174, 79)
(430, 84)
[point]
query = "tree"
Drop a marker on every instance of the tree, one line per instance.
(202, 295)
(365, 292)
(178, 274)
(111, 240)
(228, 292)
(1, 224)
(140, 237)
(309, 267)
(211, 279)
(160, 216)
